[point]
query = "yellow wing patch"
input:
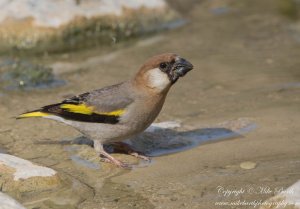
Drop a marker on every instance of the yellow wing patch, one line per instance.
(114, 113)
(33, 114)
(87, 110)
(81, 108)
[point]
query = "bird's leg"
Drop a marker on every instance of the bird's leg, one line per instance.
(99, 149)
(121, 147)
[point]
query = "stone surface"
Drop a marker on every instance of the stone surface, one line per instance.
(19, 175)
(248, 165)
(44, 24)
(47, 13)
(20, 178)
(9, 203)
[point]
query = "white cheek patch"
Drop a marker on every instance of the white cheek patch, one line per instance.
(158, 79)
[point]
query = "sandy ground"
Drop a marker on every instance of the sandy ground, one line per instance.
(246, 66)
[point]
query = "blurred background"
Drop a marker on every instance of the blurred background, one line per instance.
(247, 74)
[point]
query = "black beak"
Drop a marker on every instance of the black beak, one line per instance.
(182, 66)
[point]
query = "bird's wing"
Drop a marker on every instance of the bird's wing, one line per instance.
(105, 105)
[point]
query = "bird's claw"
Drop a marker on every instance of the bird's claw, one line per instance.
(116, 162)
(143, 157)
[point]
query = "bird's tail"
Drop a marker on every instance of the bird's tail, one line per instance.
(35, 113)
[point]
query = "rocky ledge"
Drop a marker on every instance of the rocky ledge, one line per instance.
(19, 175)
(9, 203)
(59, 25)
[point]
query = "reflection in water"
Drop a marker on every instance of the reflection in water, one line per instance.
(160, 139)
(84, 162)
(290, 85)
(157, 141)
(167, 141)
(25, 75)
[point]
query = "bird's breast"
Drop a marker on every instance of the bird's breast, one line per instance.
(142, 113)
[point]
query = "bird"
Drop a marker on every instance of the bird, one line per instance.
(117, 112)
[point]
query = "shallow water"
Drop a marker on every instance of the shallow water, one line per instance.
(84, 162)
(240, 103)
(163, 141)
(24, 75)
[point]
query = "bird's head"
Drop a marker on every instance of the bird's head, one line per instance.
(162, 71)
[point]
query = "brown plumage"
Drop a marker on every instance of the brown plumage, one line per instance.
(117, 112)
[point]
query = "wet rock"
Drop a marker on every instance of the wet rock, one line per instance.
(19, 175)
(21, 74)
(71, 193)
(40, 187)
(9, 203)
(45, 24)
(71, 197)
(248, 165)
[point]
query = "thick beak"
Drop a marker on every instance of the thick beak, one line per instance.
(182, 66)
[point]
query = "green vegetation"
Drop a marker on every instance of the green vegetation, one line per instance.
(21, 74)
(289, 8)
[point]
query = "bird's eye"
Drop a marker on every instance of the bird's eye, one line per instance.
(163, 65)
